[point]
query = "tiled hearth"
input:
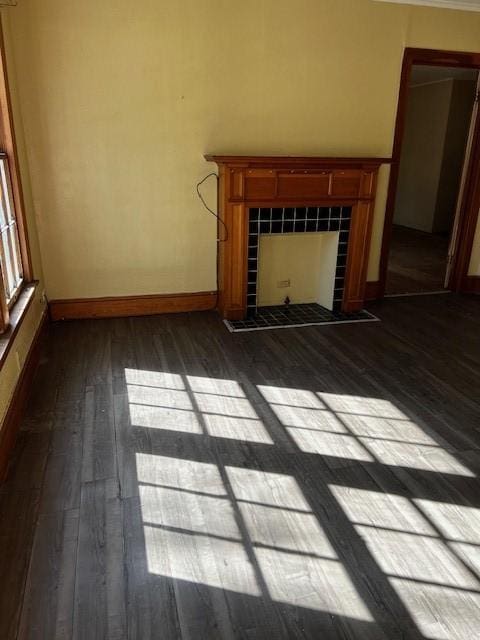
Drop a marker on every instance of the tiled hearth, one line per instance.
(296, 315)
(297, 220)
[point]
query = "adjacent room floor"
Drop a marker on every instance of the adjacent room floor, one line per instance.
(176, 481)
(417, 261)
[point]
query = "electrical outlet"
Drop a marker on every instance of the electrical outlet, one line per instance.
(43, 297)
(282, 284)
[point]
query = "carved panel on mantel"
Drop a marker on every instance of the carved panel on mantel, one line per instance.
(272, 181)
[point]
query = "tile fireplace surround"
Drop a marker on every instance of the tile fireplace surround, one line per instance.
(271, 194)
(270, 221)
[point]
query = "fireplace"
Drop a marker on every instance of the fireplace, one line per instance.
(298, 220)
(275, 195)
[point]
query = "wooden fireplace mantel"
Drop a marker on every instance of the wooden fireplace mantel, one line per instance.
(291, 181)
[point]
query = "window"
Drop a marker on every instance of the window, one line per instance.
(10, 256)
(15, 269)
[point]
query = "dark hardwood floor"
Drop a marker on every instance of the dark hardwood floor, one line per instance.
(175, 481)
(417, 262)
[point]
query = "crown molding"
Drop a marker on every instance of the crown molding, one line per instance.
(460, 5)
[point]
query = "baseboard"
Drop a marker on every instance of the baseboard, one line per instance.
(13, 417)
(131, 305)
(471, 285)
(372, 290)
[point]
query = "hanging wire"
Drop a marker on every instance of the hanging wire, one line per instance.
(215, 214)
(219, 222)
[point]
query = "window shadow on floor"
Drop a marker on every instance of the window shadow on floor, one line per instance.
(200, 485)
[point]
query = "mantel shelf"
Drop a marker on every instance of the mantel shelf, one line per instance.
(282, 161)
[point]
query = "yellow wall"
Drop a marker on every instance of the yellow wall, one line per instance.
(121, 99)
(307, 260)
(10, 371)
(475, 261)
(423, 147)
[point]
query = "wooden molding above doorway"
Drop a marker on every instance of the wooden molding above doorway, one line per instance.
(470, 204)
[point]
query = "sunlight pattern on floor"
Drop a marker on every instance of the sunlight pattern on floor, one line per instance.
(196, 537)
(189, 536)
(357, 428)
(165, 401)
(249, 531)
(422, 564)
(292, 550)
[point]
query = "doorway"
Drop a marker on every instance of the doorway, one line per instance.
(438, 119)
(434, 190)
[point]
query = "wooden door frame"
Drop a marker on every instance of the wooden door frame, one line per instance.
(470, 205)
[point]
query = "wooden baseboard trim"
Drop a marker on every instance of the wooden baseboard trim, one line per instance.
(372, 290)
(118, 307)
(471, 285)
(13, 417)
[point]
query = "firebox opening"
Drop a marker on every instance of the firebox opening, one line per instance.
(300, 266)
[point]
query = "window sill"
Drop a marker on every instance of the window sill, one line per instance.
(17, 315)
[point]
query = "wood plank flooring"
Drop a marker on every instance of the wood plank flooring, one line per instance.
(175, 481)
(417, 261)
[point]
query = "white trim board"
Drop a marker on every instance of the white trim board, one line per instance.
(461, 5)
(417, 293)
